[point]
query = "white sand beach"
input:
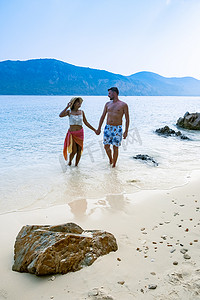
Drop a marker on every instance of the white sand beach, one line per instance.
(151, 227)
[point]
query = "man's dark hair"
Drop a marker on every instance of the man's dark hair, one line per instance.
(114, 89)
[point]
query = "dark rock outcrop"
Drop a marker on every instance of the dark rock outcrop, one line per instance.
(189, 121)
(43, 250)
(166, 131)
(146, 158)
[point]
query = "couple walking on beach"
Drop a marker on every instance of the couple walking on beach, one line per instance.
(115, 109)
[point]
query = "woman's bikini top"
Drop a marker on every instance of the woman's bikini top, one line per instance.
(75, 119)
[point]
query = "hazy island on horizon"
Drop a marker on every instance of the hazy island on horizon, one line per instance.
(54, 77)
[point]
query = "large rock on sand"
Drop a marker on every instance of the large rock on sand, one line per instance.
(190, 121)
(43, 250)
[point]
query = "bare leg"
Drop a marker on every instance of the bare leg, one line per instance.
(78, 155)
(109, 153)
(74, 151)
(115, 155)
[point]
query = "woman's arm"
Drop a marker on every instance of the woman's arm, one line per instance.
(65, 111)
(86, 122)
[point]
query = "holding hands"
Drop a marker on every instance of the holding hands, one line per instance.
(98, 131)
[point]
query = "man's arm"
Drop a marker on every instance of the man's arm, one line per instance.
(126, 112)
(102, 119)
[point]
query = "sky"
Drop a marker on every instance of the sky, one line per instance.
(120, 36)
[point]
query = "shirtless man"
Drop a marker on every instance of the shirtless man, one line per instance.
(115, 109)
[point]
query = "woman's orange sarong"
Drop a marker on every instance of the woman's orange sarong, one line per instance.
(77, 137)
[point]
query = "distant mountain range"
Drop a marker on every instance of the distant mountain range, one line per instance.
(54, 77)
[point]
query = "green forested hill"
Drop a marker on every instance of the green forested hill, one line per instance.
(54, 77)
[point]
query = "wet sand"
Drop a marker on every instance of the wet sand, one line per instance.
(159, 248)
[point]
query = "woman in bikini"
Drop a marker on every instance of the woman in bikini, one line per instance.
(74, 138)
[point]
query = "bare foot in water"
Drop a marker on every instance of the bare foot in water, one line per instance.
(69, 164)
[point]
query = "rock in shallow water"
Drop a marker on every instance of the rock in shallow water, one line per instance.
(43, 250)
(166, 131)
(146, 158)
(190, 121)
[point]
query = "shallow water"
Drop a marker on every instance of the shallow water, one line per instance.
(31, 142)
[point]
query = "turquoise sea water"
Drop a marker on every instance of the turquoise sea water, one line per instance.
(31, 142)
